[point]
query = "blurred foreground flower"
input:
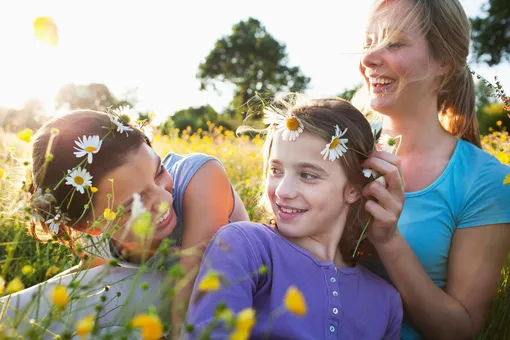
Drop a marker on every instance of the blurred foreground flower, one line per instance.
(150, 326)
(85, 326)
(295, 302)
(2, 173)
(45, 30)
(59, 296)
(25, 135)
(210, 282)
(27, 270)
(506, 180)
(2, 285)
(14, 286)
(244, 323)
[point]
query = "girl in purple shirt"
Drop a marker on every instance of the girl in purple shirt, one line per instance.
(320, 199)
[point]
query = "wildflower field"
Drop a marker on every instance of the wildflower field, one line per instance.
(24, 263)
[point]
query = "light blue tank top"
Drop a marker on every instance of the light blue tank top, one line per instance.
(469, 193)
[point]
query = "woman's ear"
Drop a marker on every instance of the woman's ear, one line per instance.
(85, 227)
(352, 194)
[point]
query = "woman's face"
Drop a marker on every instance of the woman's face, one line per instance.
(397, 65)
(144, 174)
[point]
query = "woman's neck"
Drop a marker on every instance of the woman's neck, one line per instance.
(421, 130)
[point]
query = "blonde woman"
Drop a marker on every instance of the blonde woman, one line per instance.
(453, 236)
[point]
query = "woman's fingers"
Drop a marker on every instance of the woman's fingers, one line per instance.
(382, 217)
(390, 170)
(384, 198)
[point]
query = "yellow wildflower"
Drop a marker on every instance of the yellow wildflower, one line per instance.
(239, 335)
(150, 326)
(59, 296)
(14, 286)
(210, 282)
(141, 225)
(27, 269)
(85, 326)
(25, 135)
(503, 157)
(109, 215)
(499, 123)
(295, 302)
(52, 271)
(93, 189)
(491, 129)
(506, 180)
(2, 173)
(245, 320)
(2, 285)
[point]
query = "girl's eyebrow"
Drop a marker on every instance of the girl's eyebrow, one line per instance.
(311, 166)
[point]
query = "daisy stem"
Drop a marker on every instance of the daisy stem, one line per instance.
(362, 236)
(399, 144)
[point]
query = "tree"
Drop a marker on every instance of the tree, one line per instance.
(349, 93)
(93, 96)
(491, 34)
(194, 117)
(31, 116)
(252, 60)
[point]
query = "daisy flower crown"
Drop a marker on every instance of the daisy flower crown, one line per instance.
(291, 127)
(44, 206)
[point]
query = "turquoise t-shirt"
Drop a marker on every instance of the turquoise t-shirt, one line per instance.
(469, 193)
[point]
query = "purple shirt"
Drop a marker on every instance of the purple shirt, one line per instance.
(343, 303)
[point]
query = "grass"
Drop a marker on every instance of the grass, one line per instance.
(23, 258)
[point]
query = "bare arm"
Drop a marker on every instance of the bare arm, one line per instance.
(476, 258)
(207, 204)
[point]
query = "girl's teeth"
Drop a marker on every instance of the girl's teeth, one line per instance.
(291, 211)
(162, 218)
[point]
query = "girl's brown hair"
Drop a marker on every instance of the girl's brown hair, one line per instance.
(53, 155)
(319, 117)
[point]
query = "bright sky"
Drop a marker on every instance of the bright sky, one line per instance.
(155, 47)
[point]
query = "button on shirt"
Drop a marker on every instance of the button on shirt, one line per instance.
(342, 303)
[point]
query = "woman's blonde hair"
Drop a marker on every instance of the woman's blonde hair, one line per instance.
(319, 117)
(446, 28)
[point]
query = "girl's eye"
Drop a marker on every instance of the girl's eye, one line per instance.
(274, 171)
(395, 45)
(161, 169)
(308, 176)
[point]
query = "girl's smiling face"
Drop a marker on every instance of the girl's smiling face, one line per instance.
(141, 173)
(306, 192)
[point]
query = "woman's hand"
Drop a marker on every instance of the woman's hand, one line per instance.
(385, 196)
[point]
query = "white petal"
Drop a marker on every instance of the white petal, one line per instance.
(90, 158)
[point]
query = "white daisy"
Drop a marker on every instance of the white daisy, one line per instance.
(387, 143)
(90, 145)
(79, 178)
(55, 222)
(290, 126)
(120, 126)
(148, 131)
(128, 111)
(337, 147)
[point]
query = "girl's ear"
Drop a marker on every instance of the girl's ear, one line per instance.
(85, 227)
(352, 194)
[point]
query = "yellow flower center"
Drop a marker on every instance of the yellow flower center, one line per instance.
(334, 143)
(79, 180)
(391, 141)
(292, 124)
(90, 148)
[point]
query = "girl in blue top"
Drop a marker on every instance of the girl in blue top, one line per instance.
(314, 186)
(108, 163)
(453, 236)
